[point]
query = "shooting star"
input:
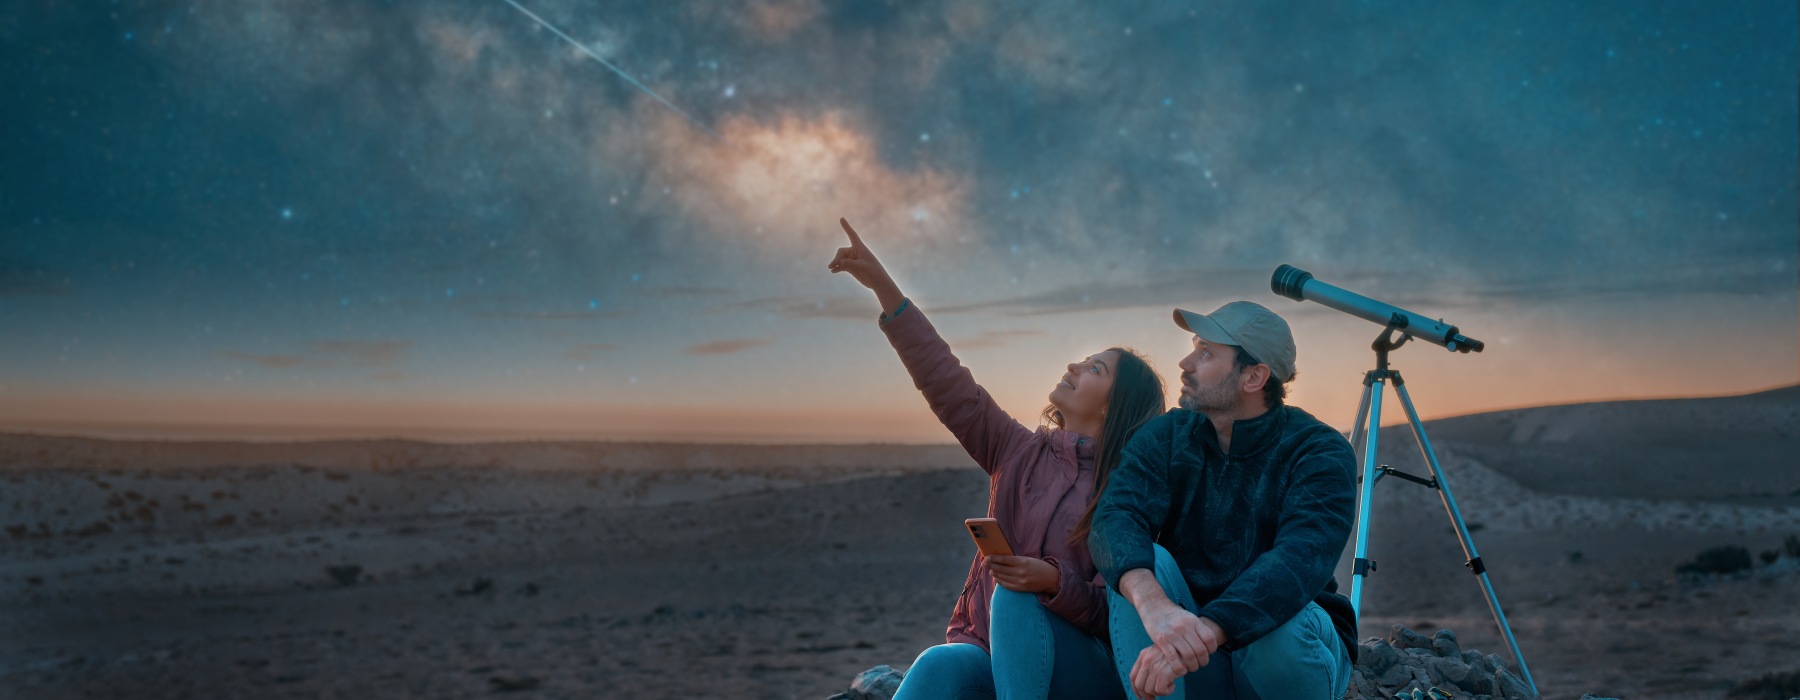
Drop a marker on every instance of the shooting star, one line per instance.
(615, 69)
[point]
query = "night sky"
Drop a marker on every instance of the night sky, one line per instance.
(294, 218)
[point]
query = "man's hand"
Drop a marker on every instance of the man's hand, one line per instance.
(1181, 635)
(1153, 676)
(1025, 574)
(860, 262)
(1184, 640)
(1181, 642)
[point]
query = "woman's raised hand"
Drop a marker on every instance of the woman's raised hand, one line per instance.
(857, 260)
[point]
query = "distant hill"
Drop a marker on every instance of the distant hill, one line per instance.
(1739, 449)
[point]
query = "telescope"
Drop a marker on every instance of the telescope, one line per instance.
(1299, 285)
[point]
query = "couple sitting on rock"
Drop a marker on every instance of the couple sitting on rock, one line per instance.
(1186, 553)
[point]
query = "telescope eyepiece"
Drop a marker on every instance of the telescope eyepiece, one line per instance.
(1288, 280)
(1465, 344)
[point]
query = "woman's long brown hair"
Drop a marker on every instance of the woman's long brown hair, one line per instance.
(1137, 396)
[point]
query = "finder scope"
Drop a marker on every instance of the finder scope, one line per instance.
(1299, 285)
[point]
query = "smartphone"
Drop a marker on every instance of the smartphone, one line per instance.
(988, 537)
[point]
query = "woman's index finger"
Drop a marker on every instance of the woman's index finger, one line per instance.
(855, 240)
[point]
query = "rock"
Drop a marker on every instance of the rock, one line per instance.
(1398, 675)
(346, 575)
(1444, 643)
(501, 684)
(877, 683)
(1772, 685)
(1422, 677)
(1479, 682)
(1386, 669)
(1404, 638)
(1365, 686)
(481, 586)
(1376, 656)
(1718, 560)
(1511, 687)
(1453, 670)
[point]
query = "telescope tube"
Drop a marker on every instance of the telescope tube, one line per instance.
(1299, 285)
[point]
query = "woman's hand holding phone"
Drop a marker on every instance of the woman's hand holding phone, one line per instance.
(1024, 574)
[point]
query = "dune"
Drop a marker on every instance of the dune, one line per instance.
(554, 569)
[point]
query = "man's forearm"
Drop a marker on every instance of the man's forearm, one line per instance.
(1147, 595)
(1141, 588)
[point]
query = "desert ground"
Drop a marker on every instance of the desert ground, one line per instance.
(146, 569)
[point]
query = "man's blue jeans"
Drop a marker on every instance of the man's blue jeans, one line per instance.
(1037, 655)
(1301, 660)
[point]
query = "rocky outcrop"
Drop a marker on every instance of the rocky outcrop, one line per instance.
(1407, 661)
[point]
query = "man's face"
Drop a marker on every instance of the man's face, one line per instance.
(1209, 378)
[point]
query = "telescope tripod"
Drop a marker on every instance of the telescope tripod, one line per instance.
(1368, 425)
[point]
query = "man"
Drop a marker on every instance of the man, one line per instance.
(1253, 501)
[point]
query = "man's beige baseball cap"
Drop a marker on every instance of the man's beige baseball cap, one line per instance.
(1247, 325)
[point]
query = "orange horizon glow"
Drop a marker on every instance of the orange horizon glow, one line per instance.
(463, 422)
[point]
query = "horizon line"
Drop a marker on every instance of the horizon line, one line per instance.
(263, 433)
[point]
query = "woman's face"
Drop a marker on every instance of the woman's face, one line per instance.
(1082, 392)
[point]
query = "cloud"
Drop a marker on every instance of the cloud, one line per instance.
(992, 339)
(842, 308)
(269, 361)
(376, 353)
(551, 315)
(673, 292)
(726, 347)
(1202, 289)
(22, 278)
(331, 353)
(586, 352)
(774, 20)
(1183, 287)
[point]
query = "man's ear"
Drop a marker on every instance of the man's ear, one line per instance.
(1255, 377)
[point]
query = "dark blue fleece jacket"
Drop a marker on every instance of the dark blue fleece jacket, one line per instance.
(1257, 533)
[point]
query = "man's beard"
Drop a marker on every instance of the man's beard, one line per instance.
(1217, 398)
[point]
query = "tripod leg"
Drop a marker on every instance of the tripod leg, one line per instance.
(1362, 413)
(1462, 531)
(1370, 430)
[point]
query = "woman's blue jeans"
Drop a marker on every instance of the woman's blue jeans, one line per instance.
(1301, 659)
(1037, 655)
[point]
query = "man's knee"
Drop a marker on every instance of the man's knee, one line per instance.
(1301, 658)
(1164, 560)
(1168, 575)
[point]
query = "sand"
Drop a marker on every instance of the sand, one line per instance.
(402, 569)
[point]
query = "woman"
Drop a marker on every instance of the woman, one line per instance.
(1042, 632)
